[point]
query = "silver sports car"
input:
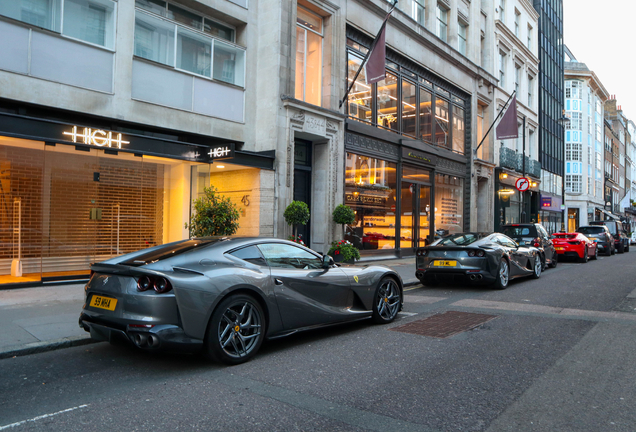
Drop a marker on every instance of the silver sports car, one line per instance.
(477, 258)
(226, 295)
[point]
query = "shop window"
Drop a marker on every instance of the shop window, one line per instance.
(370, 190)
(409, 107)
(458, 129)
(387, 102)
(309, 38)
(426, 116)
(441, 123)
(359, 97)
(449, 204)
(200, 48)
(91, 21)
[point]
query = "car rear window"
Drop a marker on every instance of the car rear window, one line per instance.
(591, 230)
(458, 240)
(168, 251)
(567, 236)
(609, 224)
(520, 231)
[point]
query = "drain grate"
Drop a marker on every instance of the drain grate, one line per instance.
(445, 324)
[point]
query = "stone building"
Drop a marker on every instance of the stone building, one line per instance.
(114, 115)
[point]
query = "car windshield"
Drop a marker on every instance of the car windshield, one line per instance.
(169, 250)
(458, 240)
(520, 231)
(591, 230)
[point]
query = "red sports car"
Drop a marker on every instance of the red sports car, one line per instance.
(575, 245)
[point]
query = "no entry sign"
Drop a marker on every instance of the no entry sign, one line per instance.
(522, 184)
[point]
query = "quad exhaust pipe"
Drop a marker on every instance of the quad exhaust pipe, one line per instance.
(474, 277)
(143, 340)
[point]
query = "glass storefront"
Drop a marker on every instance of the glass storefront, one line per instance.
(370, 190)
(64, 207)
(449, 204)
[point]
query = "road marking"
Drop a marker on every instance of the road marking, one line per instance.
(632, 294)
(422, 299)
(407, 313)
(12, 425)
(413, 288)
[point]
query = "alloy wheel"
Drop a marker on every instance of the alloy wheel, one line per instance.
(240, 328)
(503, 273)
(538, 266)
(388, 300)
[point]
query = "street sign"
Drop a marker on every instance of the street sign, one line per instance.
(522, 184)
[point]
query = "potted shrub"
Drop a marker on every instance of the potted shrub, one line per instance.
(343, 215)
(214, 215)
(296, 213)
(344, 251)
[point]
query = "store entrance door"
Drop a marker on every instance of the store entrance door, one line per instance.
(415, 216)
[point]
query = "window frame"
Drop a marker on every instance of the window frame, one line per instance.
(322, 47)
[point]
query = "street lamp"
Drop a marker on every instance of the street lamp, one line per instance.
(563, 121)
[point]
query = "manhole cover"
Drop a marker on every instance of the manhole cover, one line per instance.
(445, 324)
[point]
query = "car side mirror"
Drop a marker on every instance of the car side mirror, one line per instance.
(327, 261)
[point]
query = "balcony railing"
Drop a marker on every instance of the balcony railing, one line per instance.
(509, 158)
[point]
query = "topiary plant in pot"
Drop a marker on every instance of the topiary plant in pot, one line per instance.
(296, 213)
(343, 215)
(214, 215)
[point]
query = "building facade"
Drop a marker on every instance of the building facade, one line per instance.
(114, 116)
(618, 168)
(551, 132)
(517, 67)
(585, 98)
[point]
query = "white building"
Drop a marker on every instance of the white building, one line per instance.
(585, 98)
(515, 63)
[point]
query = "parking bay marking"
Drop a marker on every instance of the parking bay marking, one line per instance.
(12, 425)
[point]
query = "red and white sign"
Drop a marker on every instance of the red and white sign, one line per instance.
(522, 184)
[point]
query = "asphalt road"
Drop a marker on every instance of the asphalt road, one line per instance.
(559, 356)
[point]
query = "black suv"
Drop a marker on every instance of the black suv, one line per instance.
(533, 234)
(600, 235)
(621, 240)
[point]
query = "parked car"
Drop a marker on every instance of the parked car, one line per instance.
(621, 240)
(575, 245)
(477, 258)
(632, 239)
(601, 235)
(535, 235)
(226, 295)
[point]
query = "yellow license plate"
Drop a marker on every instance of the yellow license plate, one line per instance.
(104, 302)
(439, 263)
(559, 248)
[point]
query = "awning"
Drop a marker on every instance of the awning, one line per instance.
(613, 216)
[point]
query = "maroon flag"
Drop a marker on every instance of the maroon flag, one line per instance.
(507, 127)
(375, 67)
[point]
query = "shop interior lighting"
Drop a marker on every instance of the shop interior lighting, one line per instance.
(506, 192)
(220, 166)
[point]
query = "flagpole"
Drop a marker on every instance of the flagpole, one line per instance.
(495, 121)
(366, 57)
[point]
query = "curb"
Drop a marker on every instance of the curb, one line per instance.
(39, 347)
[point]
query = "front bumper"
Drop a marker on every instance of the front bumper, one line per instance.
(165, 337)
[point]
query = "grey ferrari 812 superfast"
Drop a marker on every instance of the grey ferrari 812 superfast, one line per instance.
(225, 295)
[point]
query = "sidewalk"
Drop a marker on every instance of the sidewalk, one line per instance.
(45, 318)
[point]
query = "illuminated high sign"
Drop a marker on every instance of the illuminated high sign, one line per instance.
(96, 137)
(222, 152)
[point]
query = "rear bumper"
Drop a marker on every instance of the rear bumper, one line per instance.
(165, 337)
(571, 253)
(467, 276)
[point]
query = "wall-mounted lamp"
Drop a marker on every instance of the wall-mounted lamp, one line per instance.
(506, 192)
(503, 176)
(533, 184)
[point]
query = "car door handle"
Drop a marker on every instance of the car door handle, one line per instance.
(278, 281)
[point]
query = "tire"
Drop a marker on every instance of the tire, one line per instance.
(609, 251)
(627, 247)
(236, 330)
(621, 247)
(503, 275)
(555, 260)
(387, 300)
(613, 250)
(536, 274)
(585, 256)
(595, 257)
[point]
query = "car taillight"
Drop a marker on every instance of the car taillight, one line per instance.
(144, 283)
(162, 285)
(537, 242)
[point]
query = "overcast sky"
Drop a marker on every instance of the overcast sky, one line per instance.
(587, 25)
